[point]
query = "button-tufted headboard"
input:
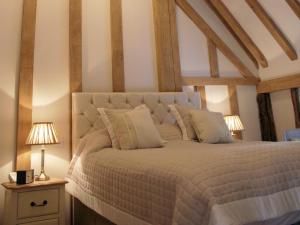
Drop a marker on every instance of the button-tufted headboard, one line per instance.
(86, 118)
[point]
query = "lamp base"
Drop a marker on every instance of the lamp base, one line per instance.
(42, 177)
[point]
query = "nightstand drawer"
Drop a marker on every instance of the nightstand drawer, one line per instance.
(45, 222)
(38, 203)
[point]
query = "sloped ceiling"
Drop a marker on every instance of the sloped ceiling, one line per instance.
(288, 23)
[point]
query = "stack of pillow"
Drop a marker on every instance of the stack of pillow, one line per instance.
(135, 129)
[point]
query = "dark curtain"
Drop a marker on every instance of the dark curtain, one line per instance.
(296, 104)
(267, 125)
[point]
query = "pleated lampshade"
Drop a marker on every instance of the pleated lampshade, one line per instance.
(42, 133)
(234, 123)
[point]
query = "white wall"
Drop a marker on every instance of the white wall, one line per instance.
(288, 23)
(10, 17)
(96, 45)
(283, 112)
(249, 112)
(51, 83)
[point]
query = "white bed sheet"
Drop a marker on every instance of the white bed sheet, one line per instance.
(283, 215)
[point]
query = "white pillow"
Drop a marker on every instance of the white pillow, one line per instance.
(210, 127)
(108, 125)
(183, 118)
(132, 129)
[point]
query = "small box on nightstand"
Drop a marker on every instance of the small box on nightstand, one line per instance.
(37, 203)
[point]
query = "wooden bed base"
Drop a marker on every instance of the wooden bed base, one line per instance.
(82, 215)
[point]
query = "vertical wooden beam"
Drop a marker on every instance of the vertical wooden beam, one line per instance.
(273, 28)
(75, 51)
(75, 42)
(23, 152)
(116, 26)
(238, 32)
(234, 105)
(296, 104)
(295, 6)
(175, 46)
(201, 90)
(210, 34)
(213, 59)
(167, 50)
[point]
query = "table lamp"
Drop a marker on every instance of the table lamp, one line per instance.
(234, 123)
(42, 133)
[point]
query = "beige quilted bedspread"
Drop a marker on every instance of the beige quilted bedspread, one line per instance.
(181, 183)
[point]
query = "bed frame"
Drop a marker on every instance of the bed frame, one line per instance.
(82, 215)
(85, 119)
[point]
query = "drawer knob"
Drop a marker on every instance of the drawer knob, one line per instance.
(33, 204)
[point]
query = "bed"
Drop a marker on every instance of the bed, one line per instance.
(183, 183)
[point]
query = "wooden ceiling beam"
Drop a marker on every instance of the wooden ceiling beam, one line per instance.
(238, 32)
(202, 81)
(210, 34)
(273, 28)
(278, 84)
(295, 6)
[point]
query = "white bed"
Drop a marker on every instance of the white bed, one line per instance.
(180, 181)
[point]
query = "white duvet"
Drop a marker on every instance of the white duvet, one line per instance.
(188, 183)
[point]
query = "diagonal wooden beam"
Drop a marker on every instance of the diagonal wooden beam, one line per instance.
(237, 31)
(210, 34)
(295, 6)
(273, 28)
(213, 59)
(118, 77)
(24, 120)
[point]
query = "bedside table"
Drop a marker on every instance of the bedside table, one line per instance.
(38, 203)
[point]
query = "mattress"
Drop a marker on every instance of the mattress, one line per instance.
(188, 183)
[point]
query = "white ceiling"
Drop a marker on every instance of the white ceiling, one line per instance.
(286, 20)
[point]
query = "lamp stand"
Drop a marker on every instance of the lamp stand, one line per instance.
(42, 176)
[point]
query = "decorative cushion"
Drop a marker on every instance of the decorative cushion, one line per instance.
(169, 132)
(210, 127)
(108, 125)
(132, 129)
(183, 118)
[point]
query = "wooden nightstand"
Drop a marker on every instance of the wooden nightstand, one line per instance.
(38, 203)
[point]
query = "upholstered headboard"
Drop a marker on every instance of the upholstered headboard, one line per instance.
(86, 118)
